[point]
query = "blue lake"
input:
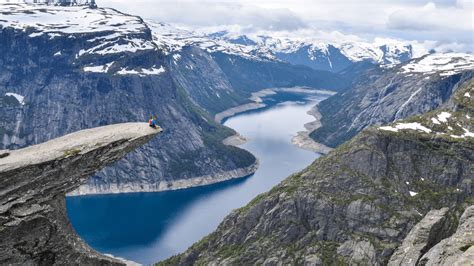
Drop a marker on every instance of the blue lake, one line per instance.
(149, 227)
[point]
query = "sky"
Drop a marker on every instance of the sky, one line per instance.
(441, 24)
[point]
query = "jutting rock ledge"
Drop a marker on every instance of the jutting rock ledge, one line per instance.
(34, 228)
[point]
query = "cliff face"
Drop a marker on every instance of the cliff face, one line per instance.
(68, 68)
(92, 73)
(358, 203)
(433, 242)
(386, 95)
(34, 227)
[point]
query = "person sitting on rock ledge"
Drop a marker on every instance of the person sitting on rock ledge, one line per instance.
(152, 121)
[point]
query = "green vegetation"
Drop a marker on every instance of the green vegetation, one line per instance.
(230, 251)
(329, 256)
(169, 262)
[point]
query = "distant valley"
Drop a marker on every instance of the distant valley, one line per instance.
(388, 123)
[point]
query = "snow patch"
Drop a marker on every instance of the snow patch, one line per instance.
(414, 126)
(444, 64)
(36, 34)
(467, 133)
(443, 117)
(131, 45)
(412, 193)
(71, 19)
(53, 35)
(141, 72)
(389, 128)
(176, 58)
(18, 97)
(98, 69)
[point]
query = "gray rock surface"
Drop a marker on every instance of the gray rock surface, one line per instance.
(34, 228)
(457, 249)
(60, 97)
(380, 97)
(353, 206)
(49, 70)
(422, 237)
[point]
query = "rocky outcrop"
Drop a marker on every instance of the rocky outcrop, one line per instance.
(34, 228)
(431, 241)
(357, 204)
(423, 236)
(457, 249)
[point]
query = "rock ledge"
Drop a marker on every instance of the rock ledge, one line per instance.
(34, 227)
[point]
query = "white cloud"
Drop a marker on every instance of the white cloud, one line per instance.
(207, 13)
(431, 17)
(440, 24)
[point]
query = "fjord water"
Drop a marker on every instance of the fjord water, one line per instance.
(148, 227)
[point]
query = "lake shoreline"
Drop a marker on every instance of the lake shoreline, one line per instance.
(303, 139)
(256, 101)
(167, 185)
(176, 218)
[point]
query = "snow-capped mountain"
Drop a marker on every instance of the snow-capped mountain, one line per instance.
(174, 39)
(116, 32)
(446, 64)
(323, 55)
(67, 68)
(107, 33)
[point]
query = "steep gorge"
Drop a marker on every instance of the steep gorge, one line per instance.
(356, 204)
(90, 73)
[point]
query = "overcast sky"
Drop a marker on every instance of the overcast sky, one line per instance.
(446, 24)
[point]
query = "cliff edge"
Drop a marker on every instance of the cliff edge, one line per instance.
(34, 227)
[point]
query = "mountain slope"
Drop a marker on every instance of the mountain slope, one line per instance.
(385, 95)
(77, 67)
(69, 68)
(356, 204)
(322, 55)
(219, 75)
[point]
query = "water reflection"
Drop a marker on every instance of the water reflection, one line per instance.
(148, 227)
